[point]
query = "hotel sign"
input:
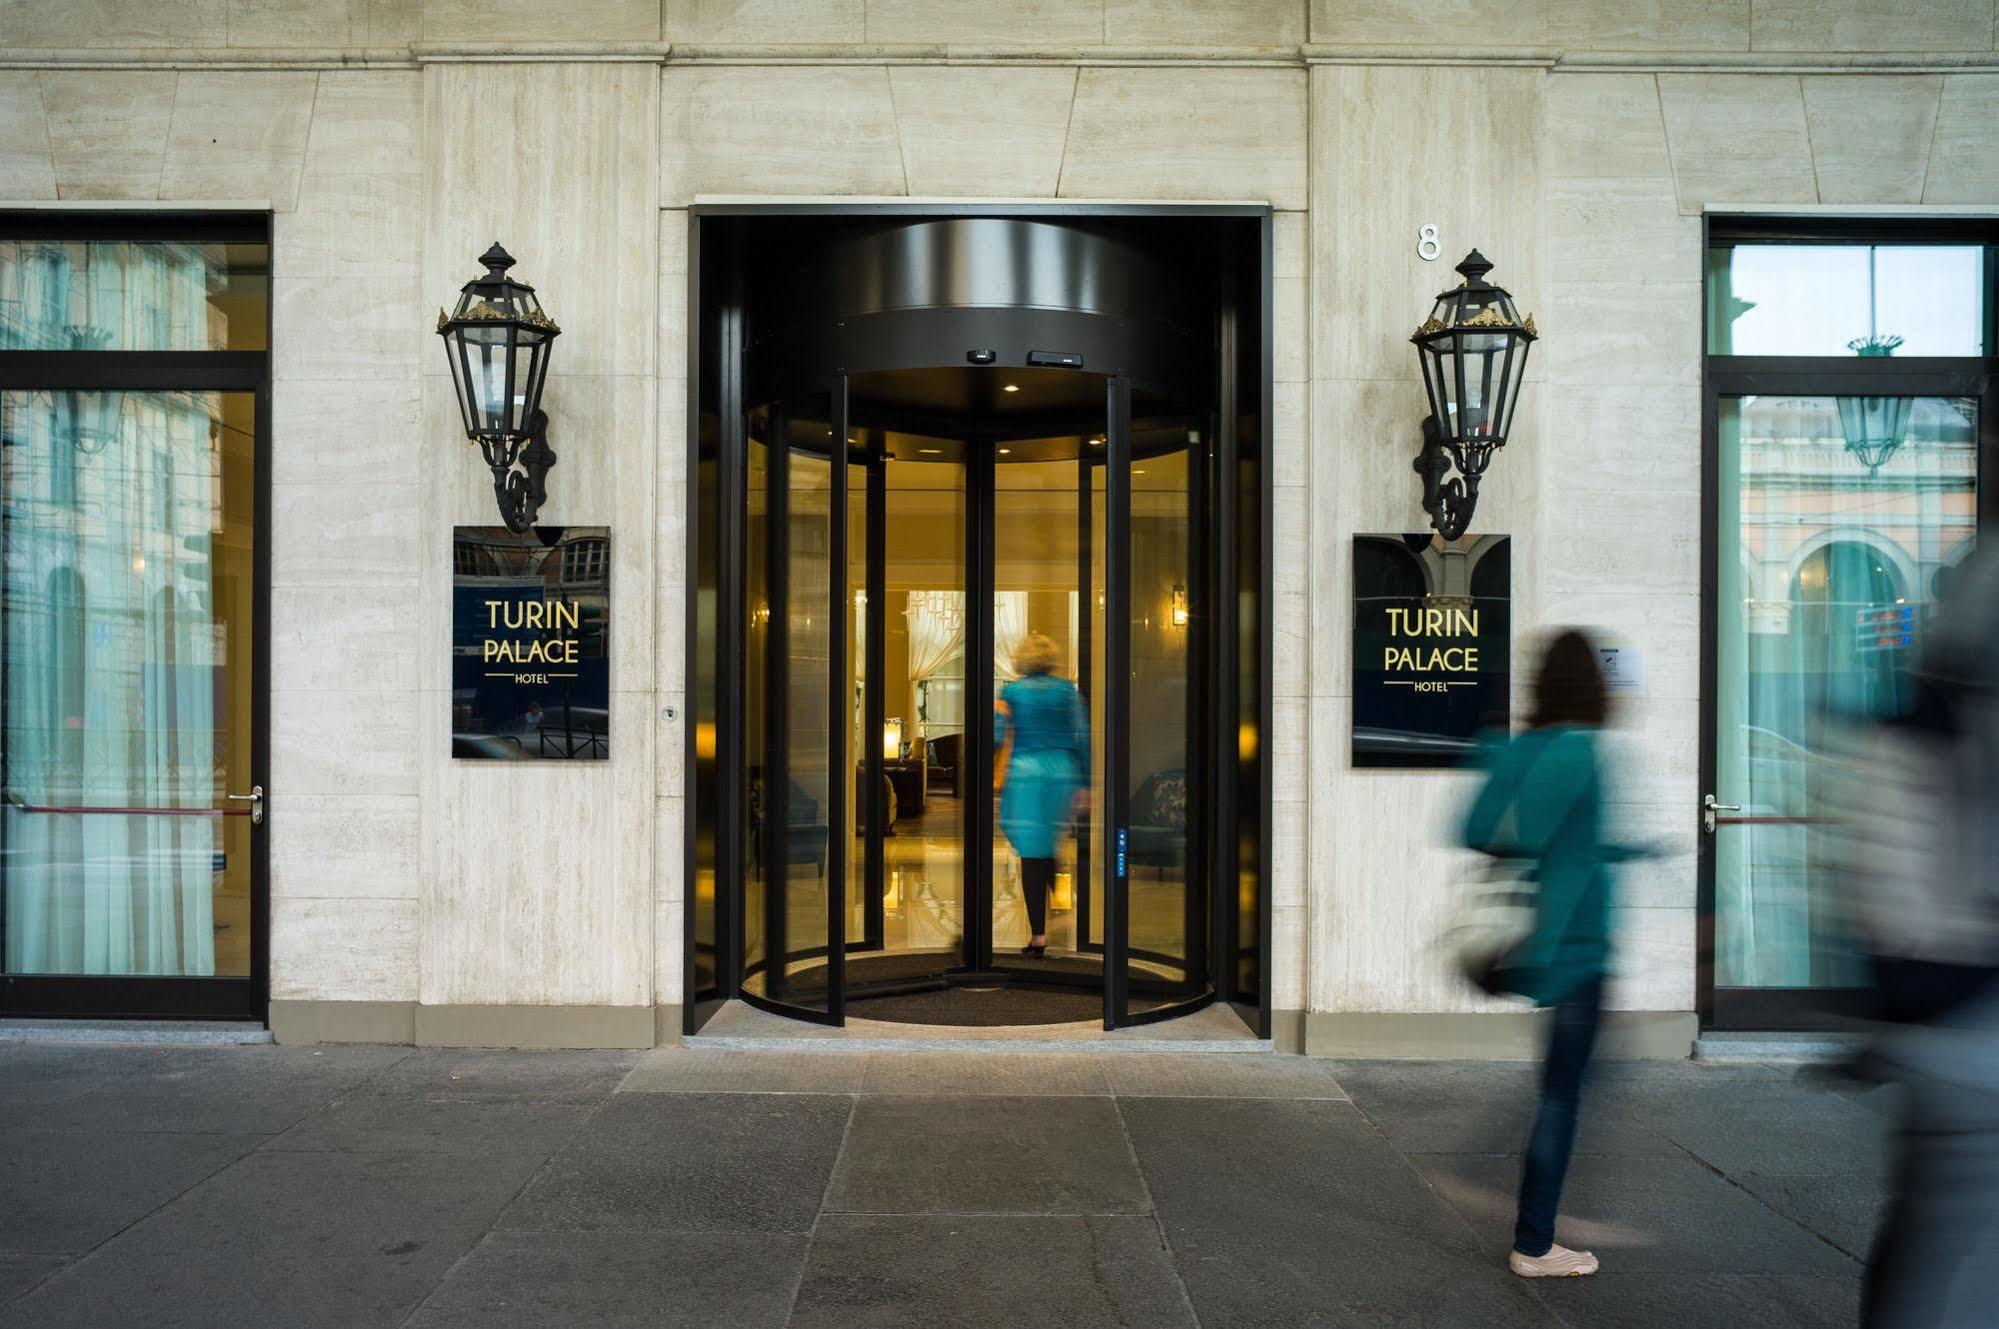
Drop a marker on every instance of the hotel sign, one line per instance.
(530, 659)
(1432, 634)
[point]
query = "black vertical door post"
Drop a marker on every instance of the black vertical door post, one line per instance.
(1199, 718)
(874, 670)
(777, 696)
(1117, 701)
(977, 790)
(840, 707)
(1086, 599)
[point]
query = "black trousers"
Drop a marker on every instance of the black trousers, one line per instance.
(1037, 878)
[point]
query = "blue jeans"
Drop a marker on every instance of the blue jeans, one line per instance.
(1570, 1042)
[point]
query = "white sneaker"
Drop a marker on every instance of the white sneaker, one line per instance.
(1559, 1262)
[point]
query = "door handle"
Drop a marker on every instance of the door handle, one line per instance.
(1709, 807)
(255, 798)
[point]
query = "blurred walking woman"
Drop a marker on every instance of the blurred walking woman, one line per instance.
(1543, 800)
(1040, 730)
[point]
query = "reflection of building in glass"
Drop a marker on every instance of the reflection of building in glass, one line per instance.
(1827, 571)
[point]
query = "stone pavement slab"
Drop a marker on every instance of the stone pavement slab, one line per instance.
(619, 1280)
(67, 1191)
(392, 1187)
(1023, 1154)
(1296, 1212)
(993, 1271)
(1640, 1214)
(985, 1073)
(728, 1071)
(690, 1163)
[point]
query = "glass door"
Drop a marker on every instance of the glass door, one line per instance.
(133, 597)
(1159, 913)
(800, 671)
(128, 708)
(1839, 520)
(1046, 668)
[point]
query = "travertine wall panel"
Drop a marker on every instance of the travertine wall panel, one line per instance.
(279, 23)
(998, 22)
(1641, 25)
(108, 131)
(361, 846)
(779, 130)
(538, 21)
(981, 131)
(1602, 125)
(1738, 138)
(538, 880)
(1964, 159)
(1188, 134)
(27, 171)
(344, 950)
(1871, 136)
(64, 24)
(723, 21)
(1871, 25)
(1204, 22)
(238, 126)
(1421, 23)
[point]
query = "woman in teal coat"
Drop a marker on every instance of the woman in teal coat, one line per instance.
(1039, 726)
(1549, 780)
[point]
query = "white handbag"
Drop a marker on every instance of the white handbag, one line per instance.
(1497, 909)
(1494, 917)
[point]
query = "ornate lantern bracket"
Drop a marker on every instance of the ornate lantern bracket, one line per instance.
(497, 341)
(1473, 350)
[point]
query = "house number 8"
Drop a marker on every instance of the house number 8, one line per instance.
(1428, 247)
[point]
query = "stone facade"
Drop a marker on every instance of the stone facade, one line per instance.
(1576, 143)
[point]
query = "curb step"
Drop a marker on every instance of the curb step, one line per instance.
(1778, 1047)
(172, 1033)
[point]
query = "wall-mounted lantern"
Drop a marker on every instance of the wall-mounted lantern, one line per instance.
(497, 340)
(1473, 348)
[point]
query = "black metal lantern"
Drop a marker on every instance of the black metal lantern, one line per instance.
(1874, 426)
(1473, 348)
(497, 340)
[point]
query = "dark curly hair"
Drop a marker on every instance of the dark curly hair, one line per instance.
(1568, 687)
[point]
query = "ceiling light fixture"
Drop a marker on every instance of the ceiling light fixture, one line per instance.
(1013, 387)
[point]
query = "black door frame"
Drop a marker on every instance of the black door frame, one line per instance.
(150, 997)
(1729, 376)
(716, 373)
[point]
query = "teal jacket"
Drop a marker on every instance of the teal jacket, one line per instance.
(1551, 779)
(1043, 715)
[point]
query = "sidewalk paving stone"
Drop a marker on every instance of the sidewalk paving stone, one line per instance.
(506, 1076)
(996, 1272)
(690, 1163)
(1640, 1214)
(395, 1187)
(619, 1280)
(1023, 1154)
(67, 1191)
(727, 1071)
(985, 1073)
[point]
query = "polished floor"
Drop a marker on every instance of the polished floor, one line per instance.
(363, 1186)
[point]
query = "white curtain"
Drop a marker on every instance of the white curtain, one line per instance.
(112, 652)
(936, 631)
(1821, 559)
(1009, 626)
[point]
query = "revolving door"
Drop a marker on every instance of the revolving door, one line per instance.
(899, 550)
